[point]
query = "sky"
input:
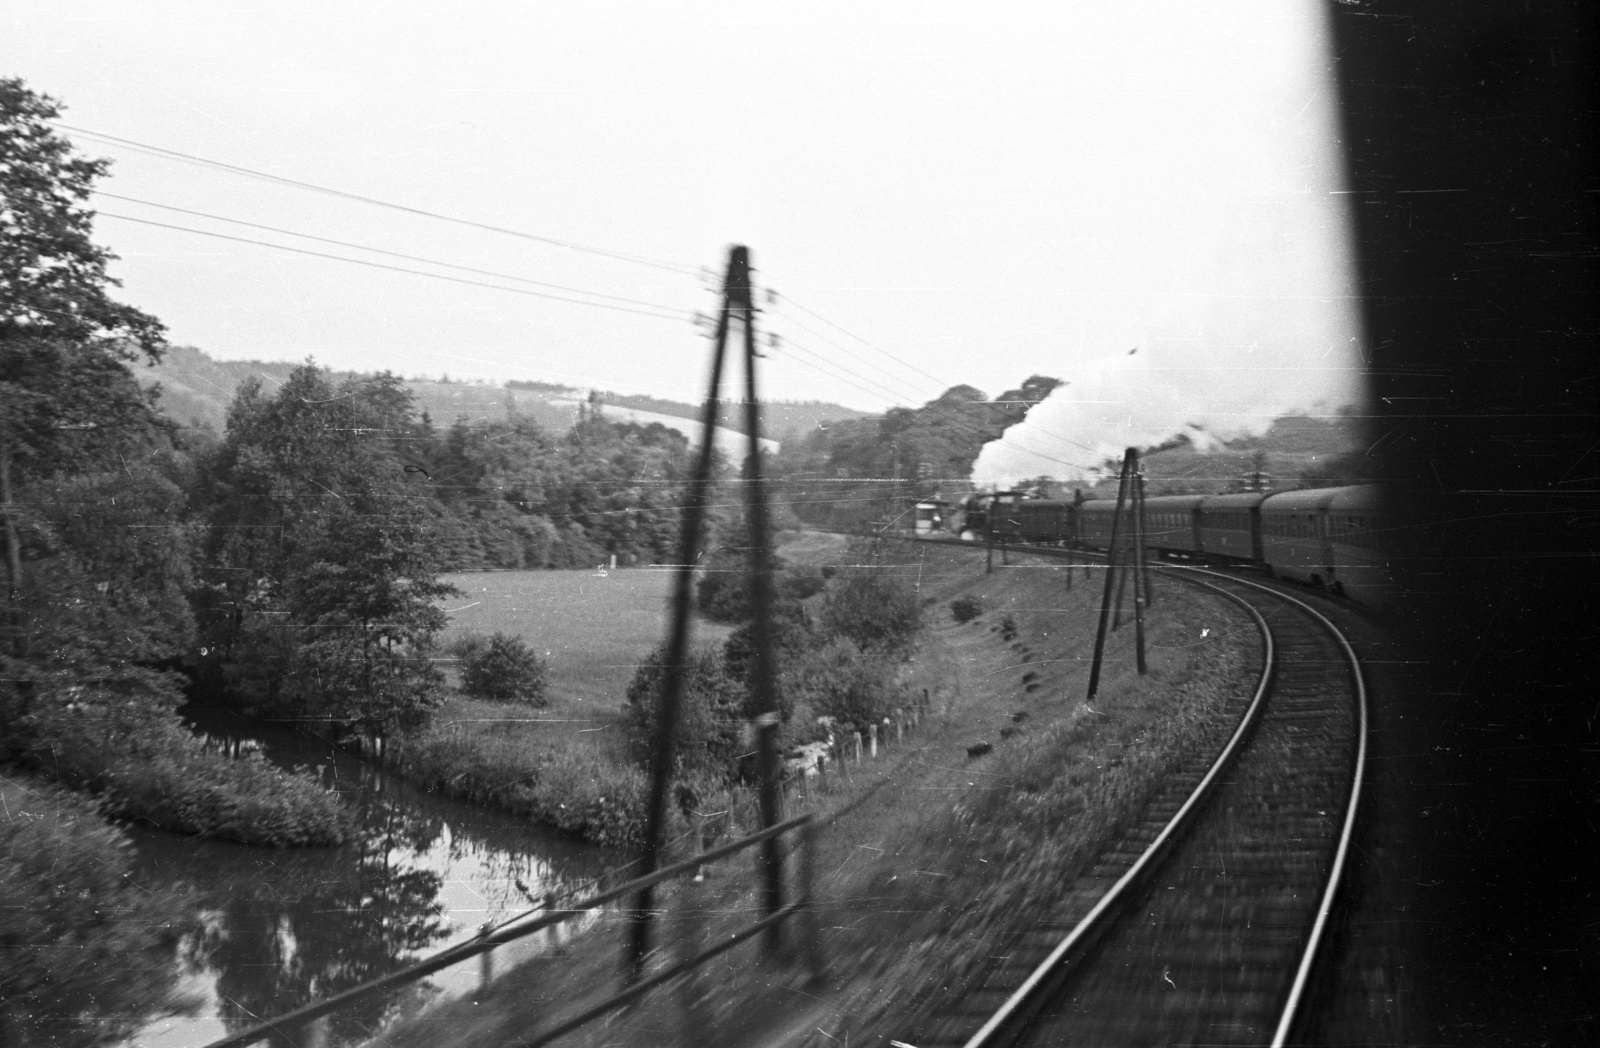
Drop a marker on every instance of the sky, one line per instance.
(1141, 199)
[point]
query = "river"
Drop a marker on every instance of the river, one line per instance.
(277, 928)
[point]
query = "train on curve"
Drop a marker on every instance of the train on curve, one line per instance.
(1330, 538)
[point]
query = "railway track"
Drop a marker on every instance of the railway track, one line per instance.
(1202, 924)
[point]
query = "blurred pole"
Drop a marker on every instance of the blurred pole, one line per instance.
(763, 676)
(1139, 575)
(695, 502)
(1111, 570)
(1144, 561)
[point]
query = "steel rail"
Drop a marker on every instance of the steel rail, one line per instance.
(1319, 926)
(1021, 996)
(1290, 1011)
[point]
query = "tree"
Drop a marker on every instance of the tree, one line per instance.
(70, 413)
(321, 567)
(53, 279)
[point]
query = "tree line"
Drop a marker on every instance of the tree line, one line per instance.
(289, 564)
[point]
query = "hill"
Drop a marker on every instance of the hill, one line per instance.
(1297, 450)
(197, 389)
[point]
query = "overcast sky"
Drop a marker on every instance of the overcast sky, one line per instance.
(979, 191)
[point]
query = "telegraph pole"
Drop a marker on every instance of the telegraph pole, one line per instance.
(1140, 578)
(1111, 571)
(764, 699)
(736, 298)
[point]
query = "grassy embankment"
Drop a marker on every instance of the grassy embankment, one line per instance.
(930, 859)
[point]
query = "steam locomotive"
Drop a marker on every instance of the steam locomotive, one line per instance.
(1330, 538)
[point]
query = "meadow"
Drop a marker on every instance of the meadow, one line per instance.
(592, 629)
(564, 763)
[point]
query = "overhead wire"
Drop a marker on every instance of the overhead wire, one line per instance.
(649, 309)
(657, 311)
(190, 158)
(382, 251)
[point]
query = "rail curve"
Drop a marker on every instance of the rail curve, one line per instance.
(1219, 903)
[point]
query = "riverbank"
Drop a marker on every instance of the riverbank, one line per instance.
(930, 853)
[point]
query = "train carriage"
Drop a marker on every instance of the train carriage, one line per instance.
(1357, 532)
(1094, 522)
(1230, 526)
(1047, 522)
(1294, 535)
(1172, 523)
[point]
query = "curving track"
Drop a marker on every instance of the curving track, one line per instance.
(1202, 925)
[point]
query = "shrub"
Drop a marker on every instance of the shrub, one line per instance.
(965, 609)
(711, 713)
(874, 609)
(505, 669)
(798, 585)
(87, 951)
(112, 737)
(721, 592)
(839, 680)
(577, 791)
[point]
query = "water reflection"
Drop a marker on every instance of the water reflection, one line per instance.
(276, 929)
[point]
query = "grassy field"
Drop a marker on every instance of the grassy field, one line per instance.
(564, 763)
(592, 629)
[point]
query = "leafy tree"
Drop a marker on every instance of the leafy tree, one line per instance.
(710, 715)
(321, 564)
(53, 279)
(873, 608)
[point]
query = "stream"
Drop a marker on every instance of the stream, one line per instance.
(278, 928)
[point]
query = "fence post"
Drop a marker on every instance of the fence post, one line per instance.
(812, 922)
(822, 773)
(855, 737)
(872, 740)
(317, 1032)
(691, 939)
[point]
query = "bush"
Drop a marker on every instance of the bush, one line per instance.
(874, 609)
(798, 585)
(721, 593)
(839, 680)
(579, 792)
(148, 766)
(88, 953)
(502, 668)
(711, 713)
(965, 609)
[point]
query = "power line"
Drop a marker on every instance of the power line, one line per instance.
(382, 251)
(942, 384)
(658, 313)
(189, 158)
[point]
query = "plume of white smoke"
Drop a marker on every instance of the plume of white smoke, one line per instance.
(1251, 360)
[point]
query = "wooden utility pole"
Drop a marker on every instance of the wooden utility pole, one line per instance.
(1149, 591)
(1111, 570)
(1141, 582)
(696, 501)
(763, 678)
